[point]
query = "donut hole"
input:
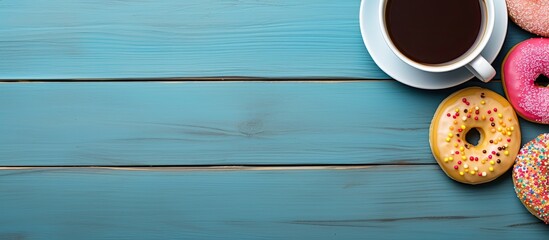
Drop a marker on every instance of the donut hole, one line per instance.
(542, 81)
(473, 136)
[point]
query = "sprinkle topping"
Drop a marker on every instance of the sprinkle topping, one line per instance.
(531, 176)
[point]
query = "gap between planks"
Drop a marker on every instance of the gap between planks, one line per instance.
(216, 167)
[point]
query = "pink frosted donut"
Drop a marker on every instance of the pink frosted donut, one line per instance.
(531, 15)
(522, 66)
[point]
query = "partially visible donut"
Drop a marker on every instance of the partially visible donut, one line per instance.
(531, 15)
(494, 118)
(526, 62)
(531, 176)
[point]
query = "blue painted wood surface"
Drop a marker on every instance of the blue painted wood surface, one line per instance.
(67, 39)
(220, 123)
(385, 202)
(303, 134)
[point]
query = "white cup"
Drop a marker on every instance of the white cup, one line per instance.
(472, 59)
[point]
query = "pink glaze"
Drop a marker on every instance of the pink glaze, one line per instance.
(524, 63)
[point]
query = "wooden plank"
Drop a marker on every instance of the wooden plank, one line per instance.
(66, 39)
(388, 202)
(220, 123)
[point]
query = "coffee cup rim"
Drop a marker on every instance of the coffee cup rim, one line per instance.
(487, 33)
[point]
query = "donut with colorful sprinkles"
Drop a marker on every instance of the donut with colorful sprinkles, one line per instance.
(531, 176)
(495, 120)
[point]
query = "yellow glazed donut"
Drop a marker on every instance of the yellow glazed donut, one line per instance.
(497, 124)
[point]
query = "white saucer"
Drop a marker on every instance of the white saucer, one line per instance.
(404, 73)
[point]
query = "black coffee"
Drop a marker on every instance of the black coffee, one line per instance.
(433, 31)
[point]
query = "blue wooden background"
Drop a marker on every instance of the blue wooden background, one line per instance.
(115, 124)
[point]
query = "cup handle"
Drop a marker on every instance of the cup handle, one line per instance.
(481, 69)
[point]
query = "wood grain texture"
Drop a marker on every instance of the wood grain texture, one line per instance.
(220, 123)
(66, 39)
(386, 202)
(224, 124)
